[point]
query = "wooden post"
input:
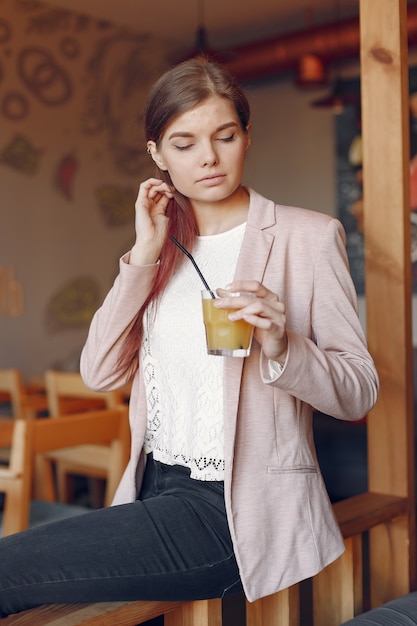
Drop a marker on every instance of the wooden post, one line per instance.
(385, 124)
(279, 609)
(337, 590)
(198, 613)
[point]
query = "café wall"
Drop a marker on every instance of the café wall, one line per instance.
(72, 154)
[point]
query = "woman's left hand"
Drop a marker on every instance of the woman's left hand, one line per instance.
(264, 311)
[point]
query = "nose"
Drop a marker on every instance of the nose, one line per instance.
(208, 155)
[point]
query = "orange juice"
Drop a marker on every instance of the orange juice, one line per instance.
(224, 337)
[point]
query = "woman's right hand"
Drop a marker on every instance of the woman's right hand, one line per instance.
(151, 223)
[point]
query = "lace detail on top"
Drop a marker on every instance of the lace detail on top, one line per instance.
(184, 385)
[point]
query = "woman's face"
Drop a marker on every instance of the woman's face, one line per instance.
(204, 151)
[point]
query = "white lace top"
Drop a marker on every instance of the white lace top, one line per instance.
(184, 385)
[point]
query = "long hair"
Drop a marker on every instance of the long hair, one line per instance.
(177, 91)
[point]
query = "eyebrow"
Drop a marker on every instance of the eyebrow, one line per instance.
(218, 129)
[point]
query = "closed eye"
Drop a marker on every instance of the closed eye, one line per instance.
(182, 148)
(227, 139)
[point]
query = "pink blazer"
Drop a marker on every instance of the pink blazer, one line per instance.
(280, 517)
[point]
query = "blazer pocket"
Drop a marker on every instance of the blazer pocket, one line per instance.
(294, 469)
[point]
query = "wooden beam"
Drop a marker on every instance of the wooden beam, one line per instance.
(385, 128)
(360, 513)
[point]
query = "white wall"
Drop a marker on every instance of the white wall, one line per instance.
(292, 157)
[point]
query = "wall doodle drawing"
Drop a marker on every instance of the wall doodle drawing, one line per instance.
(11, 293)
(15, 106)
(117, 204)
(5, 31)
(65, 175)
(46, 20)
(44, 77)
(121, 71)
(21, 155)
(73, 305)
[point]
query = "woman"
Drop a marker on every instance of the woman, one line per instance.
(223, 488)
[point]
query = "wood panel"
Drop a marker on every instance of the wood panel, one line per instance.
(385, 131)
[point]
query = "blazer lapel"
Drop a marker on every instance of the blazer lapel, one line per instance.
(257, 242)
(254, 254)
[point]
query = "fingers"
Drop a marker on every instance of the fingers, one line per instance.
(154, 191)
(252, 286)
(152, 186)
(256, 304)
(252, 294)
(151, 222)
(241, 301)
(264, 311)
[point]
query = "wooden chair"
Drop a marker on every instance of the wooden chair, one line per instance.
(12, 391)
(67, 394)
(23, 404)
(13, 435)
(30, 438)
(20, 403)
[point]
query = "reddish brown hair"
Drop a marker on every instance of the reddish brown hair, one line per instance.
(177, 91)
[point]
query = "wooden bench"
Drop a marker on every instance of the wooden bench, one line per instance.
(337, 590)
(201, 613)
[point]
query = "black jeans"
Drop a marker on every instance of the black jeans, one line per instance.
(171, 544)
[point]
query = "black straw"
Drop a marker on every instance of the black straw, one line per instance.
(177, 243)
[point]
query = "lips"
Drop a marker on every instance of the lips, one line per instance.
(212, 181)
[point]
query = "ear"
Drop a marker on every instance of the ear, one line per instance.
(153, 151)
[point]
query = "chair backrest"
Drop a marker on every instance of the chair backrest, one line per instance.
(25, 403)
(33, 437)
(67, 393)
(11, 385)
